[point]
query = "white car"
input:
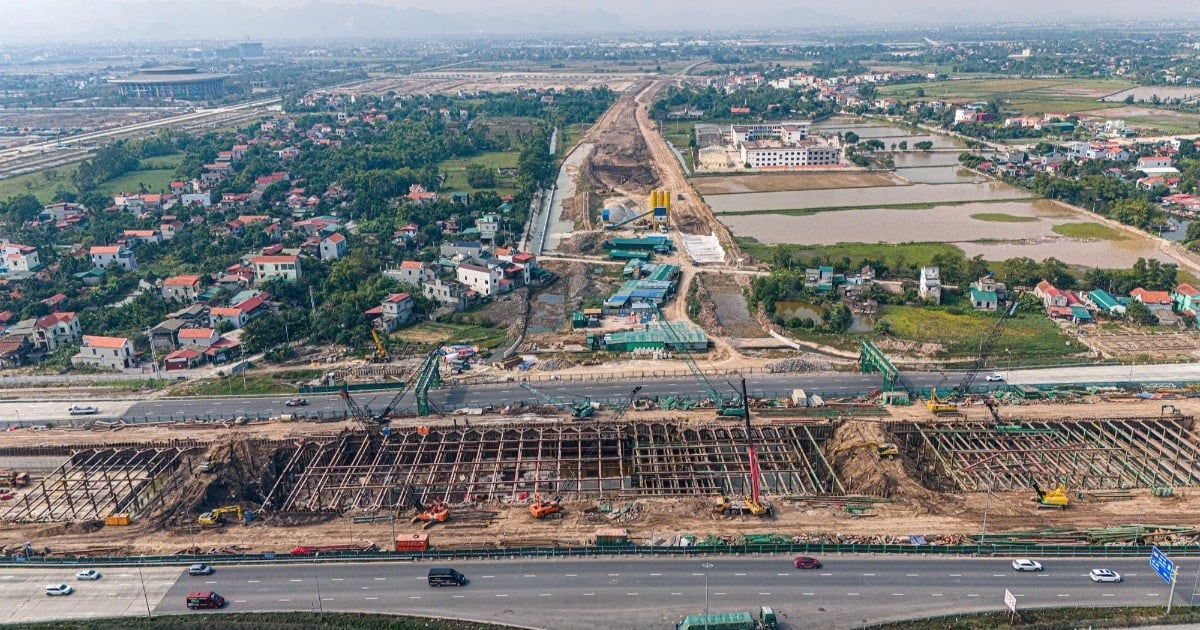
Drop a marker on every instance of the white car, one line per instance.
(995, 378)
(1105, 575)
(82, 410)
(88, 574)
(1025, 564)
(59, 589)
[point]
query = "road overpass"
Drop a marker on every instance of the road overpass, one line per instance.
(609, 593)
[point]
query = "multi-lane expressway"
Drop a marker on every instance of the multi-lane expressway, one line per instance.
(615, 593)
(613, 388)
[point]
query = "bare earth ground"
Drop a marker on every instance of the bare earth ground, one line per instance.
(732, 184)
(912, 509)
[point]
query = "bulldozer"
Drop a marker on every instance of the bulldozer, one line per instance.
(216, 518)
(1056, 498)
(542, 507)
(437, 512)
(884, 451)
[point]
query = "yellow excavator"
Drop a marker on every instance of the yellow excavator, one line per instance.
(216, 518)
(1056, 498)
(381, 355)
(884, 451)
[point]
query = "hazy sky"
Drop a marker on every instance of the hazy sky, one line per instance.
(173, 19)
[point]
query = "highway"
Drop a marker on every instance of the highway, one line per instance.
(613, 389)
(654, 593)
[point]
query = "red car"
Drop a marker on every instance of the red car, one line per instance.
(804, 562)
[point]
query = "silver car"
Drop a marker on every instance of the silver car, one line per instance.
(1025, 564)
(1105, 575)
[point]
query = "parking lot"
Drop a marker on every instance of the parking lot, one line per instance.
(118, 593)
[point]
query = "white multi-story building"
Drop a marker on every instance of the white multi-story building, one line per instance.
(17, 258)
(788, 132)
(282, 267)
(103, 255)
(774, 154)
(930, 287)
(485, 280)
(111, 353)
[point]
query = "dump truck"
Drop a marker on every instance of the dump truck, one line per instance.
(766, 620)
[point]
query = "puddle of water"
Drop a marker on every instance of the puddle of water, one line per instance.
(939, 175)
(788, 309)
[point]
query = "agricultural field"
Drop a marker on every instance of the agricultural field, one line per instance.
(1029, 339)
(456, 172)
(154, 180)
(1089, 231)
(899, 255)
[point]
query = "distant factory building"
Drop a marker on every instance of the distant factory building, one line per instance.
(172, 82)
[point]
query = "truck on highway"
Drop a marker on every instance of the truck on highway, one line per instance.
(766, 620)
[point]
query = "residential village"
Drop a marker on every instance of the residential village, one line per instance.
(296, 226)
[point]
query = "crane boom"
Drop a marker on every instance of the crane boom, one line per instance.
(985, 349)
(751, 452)
(724, 407)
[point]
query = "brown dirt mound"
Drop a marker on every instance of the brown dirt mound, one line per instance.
(863, 472)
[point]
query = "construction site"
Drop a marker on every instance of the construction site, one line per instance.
(1070, 465)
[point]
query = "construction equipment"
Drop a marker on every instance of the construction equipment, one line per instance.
(730, 407)
(14, 478)
(628, 403)
(437, 512)
(884, 451)
(216, 518)
(578, 411)
(754, 504)
(419, 381)
(946, 405)
(541, 507)
(381, 354)
(1056, 498)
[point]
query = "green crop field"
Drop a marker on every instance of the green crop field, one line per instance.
(41, 185)
(1088, 230)
(1027, 337)
(155, 181)
(1000, 217)
(456, 171)
(895, 255)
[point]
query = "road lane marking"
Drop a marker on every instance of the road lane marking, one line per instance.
(482, 576)
(295, 580)
(935, 594)
(370, 598)
(655, 575)
(740, 574)
(868, 575)
(572, 575)
(239, 601)
(897, 594)
(501, 594)
(851, 594)
(998, 575)
(211, 582)
(543, 594)
(383, 579)
(252, 581)
(676, 594)
(529, 575)
(589, 594)
(697, 574)
(807, 593)
(1108, 595)
(972, 594)
(955, 575)
(1063, 595)
(1151, 594)
(614, 575)
(764, 593)
(635, 594)
(911, 575)
(329, 599)
(458, 596)
(338, 579)
(783, 574)
(718, 593)
(826, 574)
(285, 600)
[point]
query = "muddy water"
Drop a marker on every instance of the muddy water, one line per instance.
(940, 175)
(789, 309)
(865, 197)
(1099, 254)
(917, 159)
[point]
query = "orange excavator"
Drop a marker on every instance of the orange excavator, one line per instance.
(437, 512)
(541, 507)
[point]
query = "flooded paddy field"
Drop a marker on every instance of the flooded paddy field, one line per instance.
(864, 197)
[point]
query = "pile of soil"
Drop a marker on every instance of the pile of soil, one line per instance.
(862, 471)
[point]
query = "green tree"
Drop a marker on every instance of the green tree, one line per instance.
(1139, 313)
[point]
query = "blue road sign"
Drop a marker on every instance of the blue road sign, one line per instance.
(1162, 565)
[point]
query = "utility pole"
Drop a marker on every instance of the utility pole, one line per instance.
(707, 566)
